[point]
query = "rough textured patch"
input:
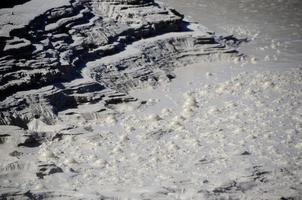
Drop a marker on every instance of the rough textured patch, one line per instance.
(43, 65)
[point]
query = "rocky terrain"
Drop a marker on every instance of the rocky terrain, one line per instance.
(49, 56)
(127, 99)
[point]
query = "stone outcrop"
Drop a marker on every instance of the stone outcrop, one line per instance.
(93, 50)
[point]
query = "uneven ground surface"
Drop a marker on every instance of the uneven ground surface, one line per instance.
(126, 100)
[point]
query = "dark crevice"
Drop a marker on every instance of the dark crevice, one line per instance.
(11, 3)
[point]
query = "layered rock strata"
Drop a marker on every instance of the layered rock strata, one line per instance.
(92, 51)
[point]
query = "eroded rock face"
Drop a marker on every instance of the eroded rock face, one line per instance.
(92, 51)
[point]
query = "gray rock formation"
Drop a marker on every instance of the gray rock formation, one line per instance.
(45, 67)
